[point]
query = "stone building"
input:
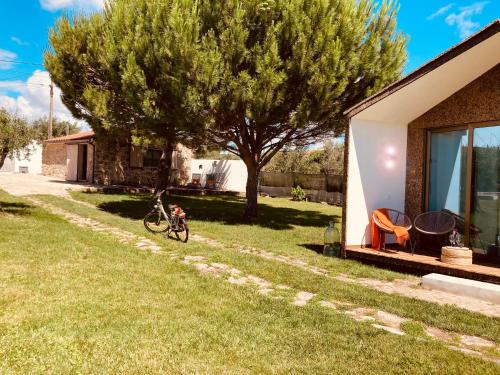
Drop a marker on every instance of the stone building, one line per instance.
(109, 161)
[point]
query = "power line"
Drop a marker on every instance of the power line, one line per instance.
(20, 62)
(23, 84)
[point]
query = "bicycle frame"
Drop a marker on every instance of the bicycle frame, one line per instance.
(173, 224)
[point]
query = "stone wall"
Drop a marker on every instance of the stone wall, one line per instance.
(477, 102)
(112, 165)
(54, 160)
(90, 163)
(182, 163)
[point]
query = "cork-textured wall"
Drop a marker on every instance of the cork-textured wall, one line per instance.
(479, 101)
(54, 160)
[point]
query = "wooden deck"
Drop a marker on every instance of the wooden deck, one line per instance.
(423, 262)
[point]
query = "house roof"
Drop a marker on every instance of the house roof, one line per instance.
(435, 81)
(83, 136)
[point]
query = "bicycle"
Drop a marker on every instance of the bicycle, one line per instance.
(159, 221)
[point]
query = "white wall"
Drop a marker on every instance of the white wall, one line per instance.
(33, 161)
(8, 165)
(233, 172)
(376, 174)
(72, 162)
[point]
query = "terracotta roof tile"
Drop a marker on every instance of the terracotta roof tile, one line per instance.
(71, 137)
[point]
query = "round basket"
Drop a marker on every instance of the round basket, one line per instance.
(456, 255)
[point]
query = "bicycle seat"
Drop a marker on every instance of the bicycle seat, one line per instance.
(172, 206)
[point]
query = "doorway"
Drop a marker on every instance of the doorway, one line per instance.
(82, 162)
(463, 176)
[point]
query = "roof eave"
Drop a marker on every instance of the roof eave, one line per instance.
(466, 44)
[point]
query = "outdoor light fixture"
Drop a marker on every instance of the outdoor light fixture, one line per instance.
(390, 157)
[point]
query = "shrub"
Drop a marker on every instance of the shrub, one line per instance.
(298, 194)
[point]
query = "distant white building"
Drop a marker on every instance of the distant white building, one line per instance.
(228, 175)
(31, 164)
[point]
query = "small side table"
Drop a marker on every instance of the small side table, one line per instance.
(461, 256)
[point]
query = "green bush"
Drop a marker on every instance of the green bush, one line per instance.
(298, 194)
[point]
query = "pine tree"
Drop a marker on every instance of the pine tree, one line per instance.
(260, 74)
(126, 70)
(275, 73)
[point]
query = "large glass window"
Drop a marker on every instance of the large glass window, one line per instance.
(448, 171)
(485, 203)
(464, 178)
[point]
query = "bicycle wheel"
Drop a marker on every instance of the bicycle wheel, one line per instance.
(155, 222)
(182, 233)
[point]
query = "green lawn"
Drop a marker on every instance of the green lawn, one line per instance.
(209, 215)
(73, 301)
(206, 217)
(286, 227)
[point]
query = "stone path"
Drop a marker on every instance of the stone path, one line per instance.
(382, 320)
(262, 254)
(88, 205)
(412, 289)
(379, 319)
(25, 184)
(406, 288)
(123, 236)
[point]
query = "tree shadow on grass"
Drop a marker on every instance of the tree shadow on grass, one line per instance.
(15, 208)
(317, 248)
(223, 209)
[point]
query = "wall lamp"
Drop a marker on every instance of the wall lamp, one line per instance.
(390, 157)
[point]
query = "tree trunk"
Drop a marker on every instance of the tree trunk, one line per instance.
(251, 192)
(3, 156)
(164, 167)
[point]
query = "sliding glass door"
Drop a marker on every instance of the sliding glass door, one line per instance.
(485, 205)
(464, 178)
(447, 169)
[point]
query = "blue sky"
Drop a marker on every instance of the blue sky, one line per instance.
(431, 25)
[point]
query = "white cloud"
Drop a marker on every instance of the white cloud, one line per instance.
(463, 20)
(441, 11)
(19, 41)
(32, 100)
(53, 5)
(6, 55)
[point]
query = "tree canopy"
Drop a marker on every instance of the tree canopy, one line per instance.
(15, 136)
(126, 70)
(59, 128)
(282, 72)
(260, 75)
(327, 160)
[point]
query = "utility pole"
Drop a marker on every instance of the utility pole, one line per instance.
(51, 109)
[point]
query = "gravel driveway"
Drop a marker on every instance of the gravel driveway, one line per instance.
(28, 184)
